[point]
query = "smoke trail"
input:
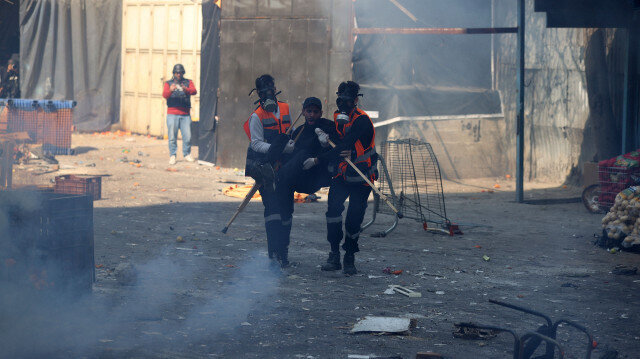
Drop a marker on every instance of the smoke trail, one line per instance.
(44, 321)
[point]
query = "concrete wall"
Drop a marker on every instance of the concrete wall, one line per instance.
(573, 81)
(573, 102)
(465, 148)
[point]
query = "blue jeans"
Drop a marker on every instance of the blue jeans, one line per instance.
(182, 123)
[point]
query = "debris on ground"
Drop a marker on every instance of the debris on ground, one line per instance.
(239, 191)
(469, 331)
(36, 152)
(428, 355)
(568, 285)
(391, 325)
(126, 274)
(389, 270)
(405, 291)
(624, 270)
(305, 198)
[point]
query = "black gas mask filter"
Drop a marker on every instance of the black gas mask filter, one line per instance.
(268, 100)
(265, 86)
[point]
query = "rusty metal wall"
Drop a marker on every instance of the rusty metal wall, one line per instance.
(573, 90)
(304, 44)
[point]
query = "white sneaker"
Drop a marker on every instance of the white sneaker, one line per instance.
(188, 158)
(172, 160)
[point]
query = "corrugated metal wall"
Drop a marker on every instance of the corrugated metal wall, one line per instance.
(305, 45)
(573, 92)
(156, 35)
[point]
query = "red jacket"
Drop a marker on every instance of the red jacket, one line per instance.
(186, 105)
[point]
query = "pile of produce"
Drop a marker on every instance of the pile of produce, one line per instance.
(622, 224)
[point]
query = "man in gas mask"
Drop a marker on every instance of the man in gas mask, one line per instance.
(267, 130)
(357, 142)
(178, 92)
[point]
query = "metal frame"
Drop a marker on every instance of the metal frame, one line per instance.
(525, 346)
(376, 204)
(401, 200)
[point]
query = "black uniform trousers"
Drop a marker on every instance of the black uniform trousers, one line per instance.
(272, 218)
(292, 178)
(358, 193)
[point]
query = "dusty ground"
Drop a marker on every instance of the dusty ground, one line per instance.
(215, 296)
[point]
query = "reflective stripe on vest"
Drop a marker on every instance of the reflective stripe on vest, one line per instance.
(363, 155)
(272, 126)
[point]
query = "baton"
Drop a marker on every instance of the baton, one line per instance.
(253, 189)
(376, 190)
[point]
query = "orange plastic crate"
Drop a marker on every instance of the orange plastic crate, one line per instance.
(72, 184)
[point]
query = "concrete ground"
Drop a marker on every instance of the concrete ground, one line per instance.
(215, 295)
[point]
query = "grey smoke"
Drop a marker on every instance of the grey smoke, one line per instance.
(66, 324)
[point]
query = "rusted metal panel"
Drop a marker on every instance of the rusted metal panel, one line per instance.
(293, 50)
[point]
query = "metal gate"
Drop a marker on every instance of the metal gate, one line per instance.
(156, 34)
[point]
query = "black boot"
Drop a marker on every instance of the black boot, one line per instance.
(333, 262)
(349, 264)
(283, 257)
(271, 252)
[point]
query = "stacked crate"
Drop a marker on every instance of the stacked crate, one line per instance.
(72, 184)
(47, 243)
(48, 122)
(58, 123)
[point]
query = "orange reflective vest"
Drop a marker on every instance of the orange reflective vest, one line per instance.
(366, 157)
(272, 125)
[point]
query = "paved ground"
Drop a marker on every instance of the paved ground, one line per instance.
(214, 295)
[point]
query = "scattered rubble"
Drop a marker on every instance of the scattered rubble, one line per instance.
(389, 325)
(405, 291)
(624, 270)
(126, 274)
(468, 331)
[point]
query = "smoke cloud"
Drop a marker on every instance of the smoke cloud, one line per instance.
(165, 301)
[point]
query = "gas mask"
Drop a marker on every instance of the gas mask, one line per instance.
(345, 106)
(268, 99)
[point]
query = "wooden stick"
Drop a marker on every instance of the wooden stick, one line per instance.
(376, 190)
(244, 203)
(255, 187)
(293, 124)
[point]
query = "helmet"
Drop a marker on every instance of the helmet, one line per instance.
(349, 89)
(178, 68)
